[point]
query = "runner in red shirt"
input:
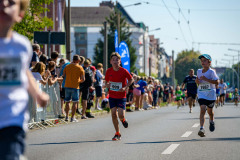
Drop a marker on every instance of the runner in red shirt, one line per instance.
(116, 80)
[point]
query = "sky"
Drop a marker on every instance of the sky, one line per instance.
(210, 21)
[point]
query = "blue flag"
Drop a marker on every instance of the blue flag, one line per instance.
(125, 56)
(116, 41)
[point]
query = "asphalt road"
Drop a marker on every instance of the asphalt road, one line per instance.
(167, 133)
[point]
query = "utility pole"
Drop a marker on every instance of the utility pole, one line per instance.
(69, 32)
(118, 26)
(173, 70)
(105, 49)
(144, 53)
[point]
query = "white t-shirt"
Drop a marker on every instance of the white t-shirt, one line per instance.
(37, 76)
(15, 56)
(221, 86)
(207, 90)
(99, 74)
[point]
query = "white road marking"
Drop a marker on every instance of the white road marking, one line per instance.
(170, 149)
(187, 134)
(196, 125)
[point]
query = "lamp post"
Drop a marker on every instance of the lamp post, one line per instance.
(232, 65)
(234, 50)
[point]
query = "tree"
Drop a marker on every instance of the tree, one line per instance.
(124, 36)
(186, 60)
(34, 19)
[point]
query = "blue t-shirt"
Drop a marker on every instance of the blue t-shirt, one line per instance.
(142, 84)
(61, 73)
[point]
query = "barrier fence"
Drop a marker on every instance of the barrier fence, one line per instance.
(40, 117)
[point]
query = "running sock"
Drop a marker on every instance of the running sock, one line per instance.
(117, 133)
(201, 127)
(123, 120)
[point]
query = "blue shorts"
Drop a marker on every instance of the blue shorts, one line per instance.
(12, 143)
(71, 94)
(119, 103)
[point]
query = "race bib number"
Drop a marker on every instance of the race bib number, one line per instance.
(115, 86)
(204, 87)
(10, 70)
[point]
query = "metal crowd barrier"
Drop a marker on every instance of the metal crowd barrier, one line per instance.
(42, 117)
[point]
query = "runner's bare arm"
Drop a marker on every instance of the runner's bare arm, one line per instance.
(197, 80)
(209, 80)
(128, 84)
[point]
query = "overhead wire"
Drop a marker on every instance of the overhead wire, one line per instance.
(187, 21)
(177, 22)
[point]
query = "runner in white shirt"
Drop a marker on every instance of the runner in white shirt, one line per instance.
(206, 80)
(223, 91)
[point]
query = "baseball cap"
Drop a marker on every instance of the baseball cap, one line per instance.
(93, 68)
(205, 56)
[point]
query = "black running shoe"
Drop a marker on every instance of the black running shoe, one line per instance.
(212, 126)
(125, 123)
(201, 132)
(116, 137)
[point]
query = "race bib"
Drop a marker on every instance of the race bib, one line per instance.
(204, 87)
(10, 70)
(115, 86)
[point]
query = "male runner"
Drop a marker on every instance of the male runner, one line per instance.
(116, 80)
(191, 88)
(206, 79)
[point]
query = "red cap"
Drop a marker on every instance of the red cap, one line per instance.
(93, 68)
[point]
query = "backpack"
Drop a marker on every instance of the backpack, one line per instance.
(88, 78)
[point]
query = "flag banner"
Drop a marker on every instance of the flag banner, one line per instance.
(116, 41)
(125, 56)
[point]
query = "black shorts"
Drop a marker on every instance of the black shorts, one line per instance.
(85, 93)
(222, 95)
(62, 93)
(129, 96)
(208, 103)
(98, 90)
(193, 96)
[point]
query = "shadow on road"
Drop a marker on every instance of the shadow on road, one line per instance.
(69, 142)
(207, 118)
(193, 140)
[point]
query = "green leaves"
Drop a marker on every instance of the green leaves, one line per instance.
(124, 36)
(186, 60)
(34, 19)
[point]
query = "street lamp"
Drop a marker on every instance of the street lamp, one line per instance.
(135, 4)
(155, 29)
(234, 50)
(232, 66)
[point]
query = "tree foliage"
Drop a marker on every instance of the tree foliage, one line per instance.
(34, 19)
(124, 36)
(186, 60)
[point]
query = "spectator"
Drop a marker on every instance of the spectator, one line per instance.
(84, 87)
(43, 58)
(36, 54)
(74, 74)
(98, 85)
(38, 72)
